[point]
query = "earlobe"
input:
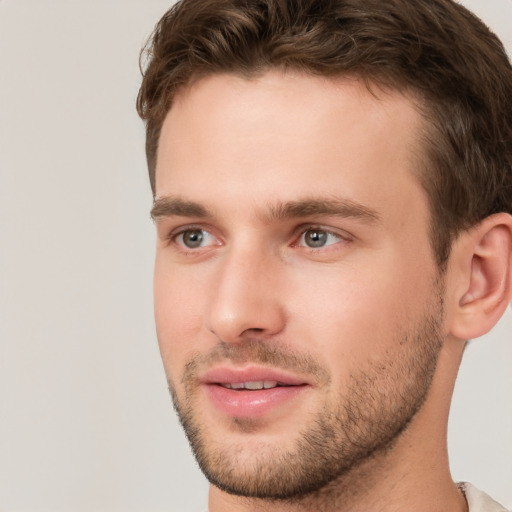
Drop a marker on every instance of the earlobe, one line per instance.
(488, 280)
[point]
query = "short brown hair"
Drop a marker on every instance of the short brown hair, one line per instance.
(454, 67)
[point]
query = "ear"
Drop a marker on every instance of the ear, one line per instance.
(484, 276)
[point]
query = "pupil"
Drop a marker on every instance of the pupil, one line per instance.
(193, 238)
(316, 238)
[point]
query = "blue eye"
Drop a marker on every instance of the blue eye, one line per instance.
(316, 238)
(194, 238)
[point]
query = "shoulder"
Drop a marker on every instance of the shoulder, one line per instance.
(478, 501)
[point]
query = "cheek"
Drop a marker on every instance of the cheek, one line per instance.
(178, 306)
(355, 313)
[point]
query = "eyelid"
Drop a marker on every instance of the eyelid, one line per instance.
(169, 235)
(302, 229)
(173, 235)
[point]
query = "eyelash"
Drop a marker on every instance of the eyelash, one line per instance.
(175, 234)
(302, 230)
(298, 235)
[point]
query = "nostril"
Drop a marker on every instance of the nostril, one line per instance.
(235, 313)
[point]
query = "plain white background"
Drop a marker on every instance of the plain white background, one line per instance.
(85, 419)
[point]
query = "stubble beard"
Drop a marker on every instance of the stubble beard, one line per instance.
(365, 420)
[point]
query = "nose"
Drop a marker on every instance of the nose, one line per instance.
(246, 297)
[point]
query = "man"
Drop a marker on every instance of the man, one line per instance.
(333, 202)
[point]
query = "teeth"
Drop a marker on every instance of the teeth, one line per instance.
(252, 385)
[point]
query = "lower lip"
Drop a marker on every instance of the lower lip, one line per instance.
(251, 404)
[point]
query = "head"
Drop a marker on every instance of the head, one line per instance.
(437, 52)
(314, 165)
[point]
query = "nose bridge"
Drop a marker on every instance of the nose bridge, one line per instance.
(245, 295)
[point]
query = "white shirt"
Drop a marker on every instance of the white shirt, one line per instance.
(478, 501)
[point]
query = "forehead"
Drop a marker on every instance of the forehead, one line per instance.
(280, 133)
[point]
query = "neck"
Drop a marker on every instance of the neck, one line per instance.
(412, 474)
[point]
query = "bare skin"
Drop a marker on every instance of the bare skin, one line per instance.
(293, 241)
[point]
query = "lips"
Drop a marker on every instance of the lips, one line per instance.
(252, 385)
(251, 392)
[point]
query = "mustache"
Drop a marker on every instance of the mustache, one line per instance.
(256, 351)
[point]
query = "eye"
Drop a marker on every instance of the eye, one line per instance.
(194, 238)
(316, 238)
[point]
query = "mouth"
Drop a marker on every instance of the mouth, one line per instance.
(252, 392)
(252, 385)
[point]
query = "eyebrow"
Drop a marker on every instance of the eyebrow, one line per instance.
(312, 207)
(169, 206)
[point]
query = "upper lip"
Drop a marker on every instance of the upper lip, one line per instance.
(228, 375)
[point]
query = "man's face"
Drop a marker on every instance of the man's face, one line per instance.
(298, 305)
